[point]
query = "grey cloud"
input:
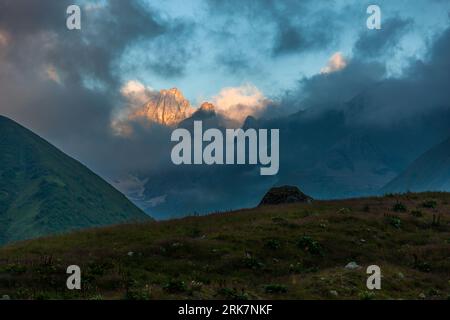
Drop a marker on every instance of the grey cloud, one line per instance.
(107, 32)
(289, 39)
(295, 27)
(22, 17)
(420, 90)
(168, 54)
(318, 33)
(334, 89)
(75, 118)
(377, 43)
(235, 63)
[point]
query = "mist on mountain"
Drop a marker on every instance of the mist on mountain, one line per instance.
(358, 130)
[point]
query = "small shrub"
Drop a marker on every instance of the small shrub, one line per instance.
(14, 268)
(253, 263)
(436, 220)
(307, 244)
(279, 220)
(399, 207)
(194, 233)
(232, 294)
(175, 286)
(301, 268)
(430, 204)
(275, 288)
(422, 266)
(135, 294)
(389, 195)
(196, 285)
(273, 244)
(417, 213)
(344, 211)
(366, 295)
(23, 294)
(395, 222)
(433, 292)
(41, 295)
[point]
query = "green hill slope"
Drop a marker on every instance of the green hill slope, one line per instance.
(294, 251)
(43, 191)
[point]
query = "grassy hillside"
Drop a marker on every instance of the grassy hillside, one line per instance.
(296, 251)
(43, 191)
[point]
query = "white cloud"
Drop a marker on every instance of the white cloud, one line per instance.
(92, 6)
(153, 202)
(236, 103)
(337, 62)
(53, 74)
(136, 93)
(4, 39)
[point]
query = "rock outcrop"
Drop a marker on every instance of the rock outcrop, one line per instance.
(284, 194)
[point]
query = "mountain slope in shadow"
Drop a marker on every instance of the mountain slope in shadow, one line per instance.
(430, 172)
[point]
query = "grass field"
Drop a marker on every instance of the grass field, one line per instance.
(296, 251)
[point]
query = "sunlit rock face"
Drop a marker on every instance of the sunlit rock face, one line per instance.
(168, 108)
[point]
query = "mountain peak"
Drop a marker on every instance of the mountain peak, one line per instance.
(169, 107)
(250, 122)
(173, 92)
(207, 107)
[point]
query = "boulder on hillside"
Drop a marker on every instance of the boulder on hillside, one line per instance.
(285, 194)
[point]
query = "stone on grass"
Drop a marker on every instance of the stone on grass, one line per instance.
(352, 266)
(334, 293)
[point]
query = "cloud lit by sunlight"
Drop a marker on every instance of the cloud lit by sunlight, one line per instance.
(337, 62)
(136, 93)
(53, 74)
(4, 39)
(237, 103)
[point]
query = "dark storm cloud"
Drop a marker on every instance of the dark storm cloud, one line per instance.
(235, 63)
(44, 68)
(105, 33)
(289, 39)
(345, 107)
(22, 17)
(421, 89)
(77, 118)
(298, 38)
(168, 54)
(332, 89)
(295, 27)
(373, 43)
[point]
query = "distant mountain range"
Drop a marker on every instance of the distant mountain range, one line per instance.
(330, 152)
(43, 191)
(430, 172)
